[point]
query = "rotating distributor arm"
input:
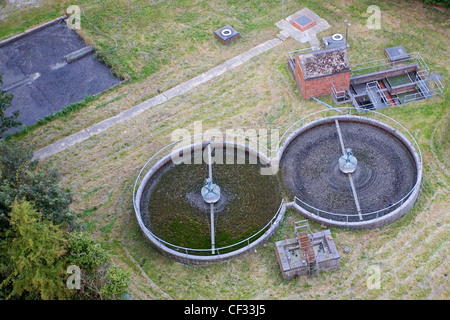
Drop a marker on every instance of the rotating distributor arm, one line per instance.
(210, 191)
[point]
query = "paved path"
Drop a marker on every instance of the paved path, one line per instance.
(286, 31)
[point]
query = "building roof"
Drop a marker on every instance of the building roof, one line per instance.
(320, 63)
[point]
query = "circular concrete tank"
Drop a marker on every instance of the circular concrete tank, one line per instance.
(175, 218)
(379, 189)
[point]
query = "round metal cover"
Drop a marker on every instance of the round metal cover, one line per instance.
(226, 32)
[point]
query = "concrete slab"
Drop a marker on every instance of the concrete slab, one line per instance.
(283, 35)
(41, 52)
(143, 106)
(309, 35)
(305, 39)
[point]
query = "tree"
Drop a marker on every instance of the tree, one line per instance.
(22, 178)
(99, 280)
(86, 253)
(35, 244)
(116, 284)
(92, 260)
(5, 102)
(35, 254)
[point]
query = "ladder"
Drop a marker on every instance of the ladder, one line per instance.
(302, 230)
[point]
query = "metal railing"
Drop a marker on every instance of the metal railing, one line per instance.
(365, 215)
(309, 118)
(229, 138)
(372, 90)
(424, 83)
(220, 250)
(422, 76)
(340, 96)
(300, 225)
(385, 64)
(345, 217)
(292, 54)
(319, 212)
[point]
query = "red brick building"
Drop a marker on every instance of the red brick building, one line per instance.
(316, 71)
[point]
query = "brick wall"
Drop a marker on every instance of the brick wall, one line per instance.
(320, 86)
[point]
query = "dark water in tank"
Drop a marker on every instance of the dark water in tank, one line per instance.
(178, 214)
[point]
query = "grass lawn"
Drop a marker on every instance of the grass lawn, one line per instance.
(161, 44)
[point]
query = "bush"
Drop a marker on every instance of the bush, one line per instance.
(445, 3)
(21, 178)
(99, 280)
(116, 283)
(34, 251)
(5, 102)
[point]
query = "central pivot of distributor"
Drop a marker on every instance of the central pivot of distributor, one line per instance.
(348, 162)
(210, 191)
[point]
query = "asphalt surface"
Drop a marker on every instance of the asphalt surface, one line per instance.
(34, 70)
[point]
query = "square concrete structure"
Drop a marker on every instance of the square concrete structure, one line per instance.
(317, 72)
(293, 263)
(396, 54)
(309, 35)
(303, 22)
(226, 34)
(334, 41)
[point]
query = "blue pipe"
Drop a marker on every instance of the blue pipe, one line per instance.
(327, 105)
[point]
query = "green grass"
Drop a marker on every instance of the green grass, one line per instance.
(259, 94)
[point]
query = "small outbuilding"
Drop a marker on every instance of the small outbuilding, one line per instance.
(308, 253)
(319, 72)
